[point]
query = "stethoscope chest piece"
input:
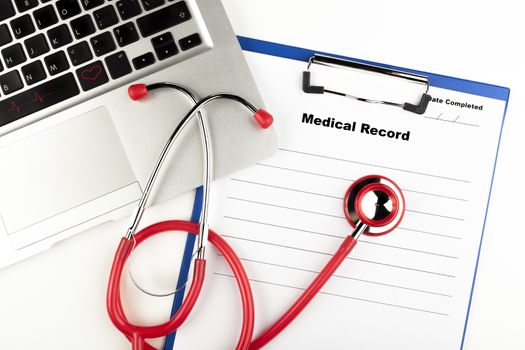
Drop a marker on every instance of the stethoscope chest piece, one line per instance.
(375, 201)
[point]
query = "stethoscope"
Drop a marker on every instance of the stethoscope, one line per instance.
(373, 205)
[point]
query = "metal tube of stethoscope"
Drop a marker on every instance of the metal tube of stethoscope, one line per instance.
(138, 91)
(359, 229)
(207, 164)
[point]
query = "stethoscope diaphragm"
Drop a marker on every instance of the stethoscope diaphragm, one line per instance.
(377, 202)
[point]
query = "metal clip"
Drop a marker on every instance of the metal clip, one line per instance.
(341, 63)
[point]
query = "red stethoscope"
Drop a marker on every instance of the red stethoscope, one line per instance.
(373, 205)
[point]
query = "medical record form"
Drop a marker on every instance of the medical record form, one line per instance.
(409, 289)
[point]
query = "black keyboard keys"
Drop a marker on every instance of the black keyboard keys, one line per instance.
(33, 72)
(164, 46)
(67, 8)
(126, 34)
(5, 36)
(190, 42)
(103, 44)
(163, 19)
(6, 9)
(118, 65)
(79, 53)
(13, 55)
(59, 36)
(105, 17)
(91, 4)
(82, 27)
(56, 63)
(45, 17)
(37, 98)
(128, 9)
(92, 75)
(143, 61)
(24, 5)
(151, 4)
(10, 82)
(22, 26)
(36, 45)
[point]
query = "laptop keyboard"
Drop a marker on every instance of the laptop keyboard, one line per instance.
(53, 51)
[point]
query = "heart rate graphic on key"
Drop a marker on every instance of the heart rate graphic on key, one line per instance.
(92, 75)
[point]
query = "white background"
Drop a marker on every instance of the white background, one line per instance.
(47, 304)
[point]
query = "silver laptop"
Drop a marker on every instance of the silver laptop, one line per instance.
(74, 150)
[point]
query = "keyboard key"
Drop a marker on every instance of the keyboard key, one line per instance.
(33, 72)
(93, 75)
(6, 9)
(1, 67)
(164, 46)
(163, 19)
(56, 63)
(10, 82)
(190, 42)
(103, 44)
(36, 45)
(22, 26)
(59, 36)
(151, 4)
(79, 53)
(82, 27)
(162, 39)
(5, 36)
(118, 65)
(13, 55)
(24, 5)
(91, 4)
(67, 8)
(45, 17)
(105, 17)
(128, 9)
(144, 60)
(126, 34)
(166, 50)
(38, 98)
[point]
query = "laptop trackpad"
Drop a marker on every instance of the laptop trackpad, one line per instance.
(63, 169)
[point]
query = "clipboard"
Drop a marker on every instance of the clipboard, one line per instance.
(311, 57)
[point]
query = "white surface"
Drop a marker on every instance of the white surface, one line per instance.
(56, 300)
(284, 217)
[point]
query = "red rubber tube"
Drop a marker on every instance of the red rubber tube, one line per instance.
(138, 334)
(307, 296)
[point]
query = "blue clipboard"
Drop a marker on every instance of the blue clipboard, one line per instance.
(301, 54)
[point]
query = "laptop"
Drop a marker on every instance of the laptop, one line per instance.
(75, 152)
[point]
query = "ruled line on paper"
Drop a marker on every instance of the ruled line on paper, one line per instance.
(341, 237)
(348, 278)
(452, 121)
(375, 165)
(332, 215)
(349, 258)
(342, 296)
(352, 180)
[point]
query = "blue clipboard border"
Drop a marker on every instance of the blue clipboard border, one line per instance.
(437, 80)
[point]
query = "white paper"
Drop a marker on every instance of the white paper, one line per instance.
(284, 217)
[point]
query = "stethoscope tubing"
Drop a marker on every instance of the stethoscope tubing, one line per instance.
(138, 334)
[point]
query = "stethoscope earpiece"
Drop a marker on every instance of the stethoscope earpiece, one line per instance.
(375, 201)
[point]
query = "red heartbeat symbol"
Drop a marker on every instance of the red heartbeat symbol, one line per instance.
(36, 98)
(14, 107)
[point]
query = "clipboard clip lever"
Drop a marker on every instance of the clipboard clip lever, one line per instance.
(323, 60)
